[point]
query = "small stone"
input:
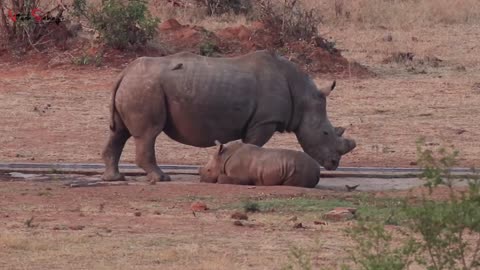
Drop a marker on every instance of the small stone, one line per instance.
(76, 227)
(298, 226)
(138, 213)
(237, 223)
(239, 216)
(316, 222)
(294, 218)
(199, 206)
(156, 212)
(388, 38)
(341, 214)
(460, 131)
(413, 163)
(476, 87)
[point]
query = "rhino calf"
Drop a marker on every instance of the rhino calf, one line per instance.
(247, 164)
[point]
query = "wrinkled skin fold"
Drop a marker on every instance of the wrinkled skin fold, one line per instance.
(196, 100)
(238, 163)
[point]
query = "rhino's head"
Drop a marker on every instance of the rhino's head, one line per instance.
(315, 133)
(211, 170)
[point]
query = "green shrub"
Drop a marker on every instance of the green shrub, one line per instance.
(250, 206)
(375, 249)
(25, 32)
(450, 230)
(437, 234)
(120, 25)
(218, 7)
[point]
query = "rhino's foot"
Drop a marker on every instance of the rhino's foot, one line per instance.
(154, 177)
(113, 177)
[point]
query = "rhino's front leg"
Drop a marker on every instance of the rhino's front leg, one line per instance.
(145, 158)
(259, 135)
(224, 179)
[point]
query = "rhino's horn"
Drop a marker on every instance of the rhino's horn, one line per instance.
(327, 90)
(339, 131)
(347, 146)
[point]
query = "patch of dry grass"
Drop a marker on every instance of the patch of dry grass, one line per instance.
(409, 14)
(392, 14)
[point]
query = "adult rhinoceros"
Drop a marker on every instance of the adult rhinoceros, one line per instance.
(196, 100)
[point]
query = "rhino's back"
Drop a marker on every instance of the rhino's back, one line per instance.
(216, 98)
(207, 100)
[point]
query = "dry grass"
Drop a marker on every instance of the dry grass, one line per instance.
(394, 14)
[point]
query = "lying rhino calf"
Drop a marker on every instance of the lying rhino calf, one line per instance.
(247, 164)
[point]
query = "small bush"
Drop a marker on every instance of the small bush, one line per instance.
(208, 48)
(298, 257)
(20, 29)
(250, 206)
(292, 20)
(438, 234)
(374, 248)
(120, 25)
(218, 7)
(86, 59)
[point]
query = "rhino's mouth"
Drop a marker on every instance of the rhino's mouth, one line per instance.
(330, 165)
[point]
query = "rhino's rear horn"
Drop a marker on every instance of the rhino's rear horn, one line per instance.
(339, 131)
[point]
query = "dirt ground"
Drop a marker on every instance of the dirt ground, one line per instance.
(60, 114)
(46, 224)
(98, 228)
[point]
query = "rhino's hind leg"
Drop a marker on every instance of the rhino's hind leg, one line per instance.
(145, 157)
(112, 152)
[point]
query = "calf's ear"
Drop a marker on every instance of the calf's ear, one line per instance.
(221, 148)
(327, 90)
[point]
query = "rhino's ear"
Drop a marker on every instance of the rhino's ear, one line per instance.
(339, 131)
(327, 90)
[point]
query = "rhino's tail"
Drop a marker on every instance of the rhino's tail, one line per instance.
(113, 110)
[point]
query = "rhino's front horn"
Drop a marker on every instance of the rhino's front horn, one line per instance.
(339, 131)
(327, 90)
(347, 146)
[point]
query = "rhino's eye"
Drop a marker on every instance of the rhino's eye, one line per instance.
(325, 133)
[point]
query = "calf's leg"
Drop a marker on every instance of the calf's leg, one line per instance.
(224, 179)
